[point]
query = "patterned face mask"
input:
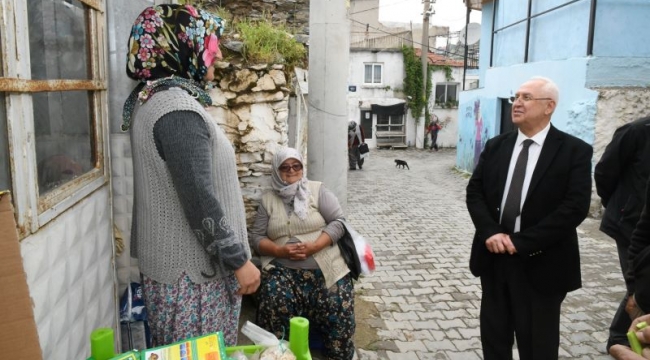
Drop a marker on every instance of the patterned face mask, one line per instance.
(171, 46)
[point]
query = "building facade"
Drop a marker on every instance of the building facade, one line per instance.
(590, 48)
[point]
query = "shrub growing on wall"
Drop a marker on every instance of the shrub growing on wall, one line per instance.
(268, 43)
(413, 82)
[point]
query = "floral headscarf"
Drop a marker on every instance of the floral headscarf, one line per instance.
(296, 194)
(171, 45)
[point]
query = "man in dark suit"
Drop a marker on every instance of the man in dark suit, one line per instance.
(621, 176)
(530, 190)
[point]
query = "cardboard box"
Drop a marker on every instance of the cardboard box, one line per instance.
(18, 335)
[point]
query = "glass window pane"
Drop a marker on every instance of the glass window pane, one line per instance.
(440, 94)
(377, 78)
(5, 169)
(64, 145)
(58, 39)
(451, 92)
(382, 119)
(367, 74)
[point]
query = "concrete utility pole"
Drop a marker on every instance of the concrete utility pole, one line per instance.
(425, 44)
(329, 58)
(419, 133)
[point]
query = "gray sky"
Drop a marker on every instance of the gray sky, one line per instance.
(448, 12)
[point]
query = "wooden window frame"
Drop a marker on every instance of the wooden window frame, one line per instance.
(32, 210)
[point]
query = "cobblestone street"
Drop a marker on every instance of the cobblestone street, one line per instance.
(422, 302)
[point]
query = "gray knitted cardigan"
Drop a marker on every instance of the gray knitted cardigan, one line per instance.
(161, 237)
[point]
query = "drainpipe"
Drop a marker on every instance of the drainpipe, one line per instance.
(466, 46)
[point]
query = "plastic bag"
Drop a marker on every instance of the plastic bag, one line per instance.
(258, 335)
(278, 352)
(132, 304)
(133, 319)
(276, 349)
(363, 251)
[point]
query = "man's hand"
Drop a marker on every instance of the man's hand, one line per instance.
(632, 308)
(621, 352)
(500, 244)
(248, 277)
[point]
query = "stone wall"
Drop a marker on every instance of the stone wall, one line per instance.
(293, 13)
(615, 107)
(251, 103)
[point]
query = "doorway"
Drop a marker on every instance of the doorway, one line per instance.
(506, 117)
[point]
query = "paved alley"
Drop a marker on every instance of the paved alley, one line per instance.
(422, 302)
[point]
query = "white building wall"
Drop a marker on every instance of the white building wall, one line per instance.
(448, 117)
(389, 92)
(70, 274)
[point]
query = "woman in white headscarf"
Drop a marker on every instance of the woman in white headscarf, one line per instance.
(303, 273)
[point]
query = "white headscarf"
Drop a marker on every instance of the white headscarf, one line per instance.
(354, 130)
(296, 194)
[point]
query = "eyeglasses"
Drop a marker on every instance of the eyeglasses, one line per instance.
(525, 98)
(294, 167)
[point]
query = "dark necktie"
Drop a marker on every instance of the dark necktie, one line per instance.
(512, 207)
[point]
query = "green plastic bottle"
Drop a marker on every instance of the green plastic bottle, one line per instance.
(299, 338)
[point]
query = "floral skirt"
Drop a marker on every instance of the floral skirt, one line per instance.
(179, 311)
(285, 293)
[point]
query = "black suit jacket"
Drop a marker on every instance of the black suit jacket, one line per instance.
(556, 203)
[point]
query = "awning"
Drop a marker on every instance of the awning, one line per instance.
(397, 109)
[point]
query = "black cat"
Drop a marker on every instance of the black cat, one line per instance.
(402, 164)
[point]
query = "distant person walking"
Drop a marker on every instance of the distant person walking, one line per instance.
(621, 176)
(355, 138)
(434, 127)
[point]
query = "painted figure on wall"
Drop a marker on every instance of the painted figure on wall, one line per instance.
(478, 125)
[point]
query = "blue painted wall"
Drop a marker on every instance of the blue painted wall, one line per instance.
(622, 28)
(574, 114)
(475, 126)
(558, 50)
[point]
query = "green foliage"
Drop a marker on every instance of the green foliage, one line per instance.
(413, 84)
(445, 68)
(268, 43)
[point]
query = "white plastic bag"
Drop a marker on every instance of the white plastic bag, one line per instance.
(364, 250)
(258, 335)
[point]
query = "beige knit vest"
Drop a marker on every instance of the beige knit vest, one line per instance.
(161, 237)
(281, 228)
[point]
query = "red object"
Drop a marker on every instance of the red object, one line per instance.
(370, 258)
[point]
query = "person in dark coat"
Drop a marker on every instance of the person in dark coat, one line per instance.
(356, 137)
(525, 247)
(637, 280)
(621, 176)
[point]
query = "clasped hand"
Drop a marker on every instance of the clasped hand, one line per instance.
(500, 244)
(297, 251)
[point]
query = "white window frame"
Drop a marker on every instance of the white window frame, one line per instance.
(34, 211)
(372, 76)
(446, 84)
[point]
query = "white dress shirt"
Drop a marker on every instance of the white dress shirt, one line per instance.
(533, 155)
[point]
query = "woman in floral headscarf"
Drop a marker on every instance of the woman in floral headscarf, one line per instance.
(303, 273)
(189, 228)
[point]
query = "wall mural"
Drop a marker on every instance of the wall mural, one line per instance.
(477, 123)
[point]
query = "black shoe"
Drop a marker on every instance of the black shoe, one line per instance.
(353, 168)
(360, 166)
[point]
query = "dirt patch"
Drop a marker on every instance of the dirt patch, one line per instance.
(365, 335)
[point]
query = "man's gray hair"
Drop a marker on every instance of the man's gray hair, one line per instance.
(549, 87)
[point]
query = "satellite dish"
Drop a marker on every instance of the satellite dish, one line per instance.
(473, 33)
